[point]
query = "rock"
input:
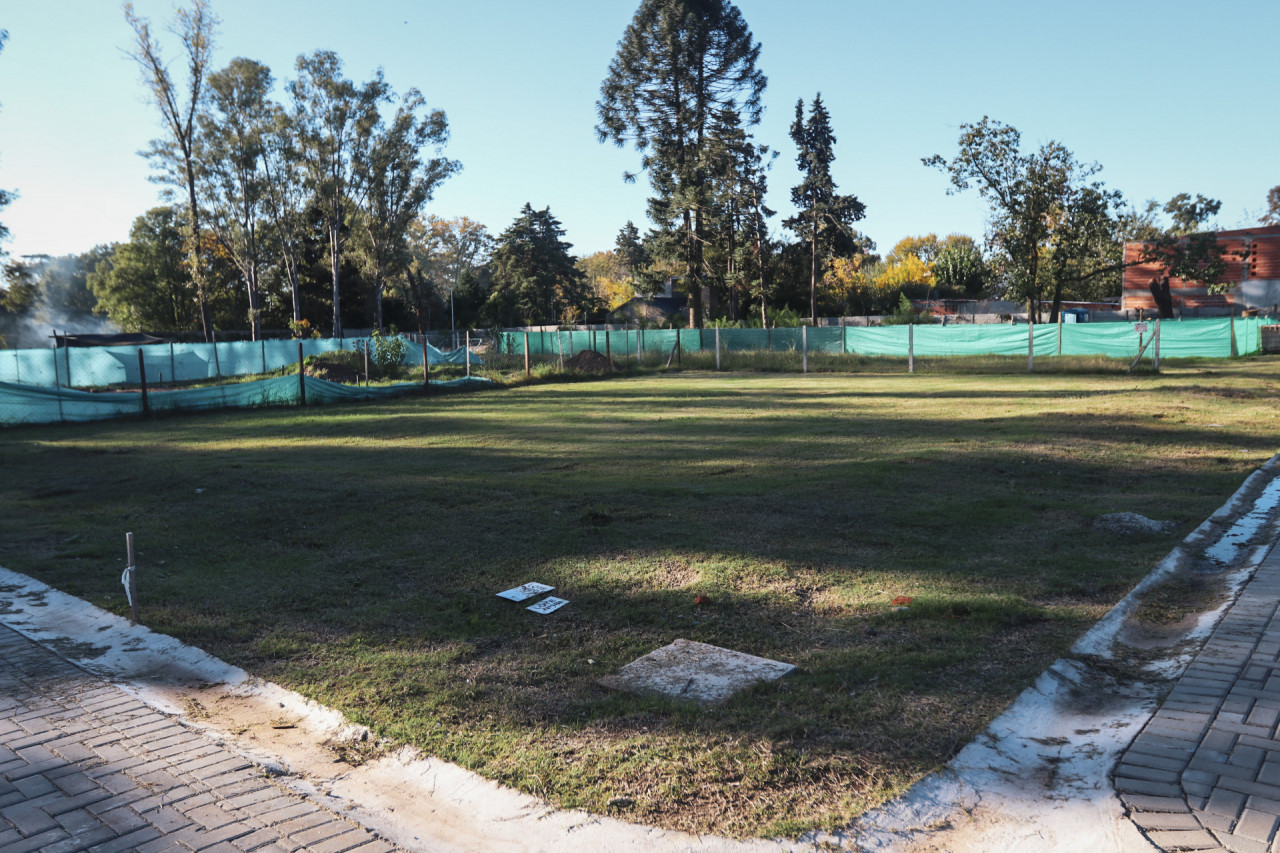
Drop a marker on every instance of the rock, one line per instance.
(1132, 524)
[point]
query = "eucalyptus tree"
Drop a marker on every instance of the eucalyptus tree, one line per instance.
(195, 28)
(334, 121)
(234, 129)
(397, 182)
(443, 252)
(678, 64)
(286, 198)
(824, 216)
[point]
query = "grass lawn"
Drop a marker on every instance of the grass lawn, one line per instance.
(352, 553)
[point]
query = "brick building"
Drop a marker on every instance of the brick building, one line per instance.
(1253, 262)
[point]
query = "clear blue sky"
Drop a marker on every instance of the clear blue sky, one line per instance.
(1168, 96)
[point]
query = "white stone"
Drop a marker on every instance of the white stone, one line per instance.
(697, 671)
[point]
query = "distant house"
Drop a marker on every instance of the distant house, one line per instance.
(1253, 262)
(655, 309)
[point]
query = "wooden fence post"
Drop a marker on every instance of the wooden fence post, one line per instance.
(142, 375)
(302, 379)
(526, 353)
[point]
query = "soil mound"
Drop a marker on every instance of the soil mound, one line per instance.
(333, 372)
(590, 361)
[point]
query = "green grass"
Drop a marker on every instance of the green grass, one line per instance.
(352, 553)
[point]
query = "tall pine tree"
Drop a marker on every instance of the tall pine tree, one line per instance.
(679, 63)
(824, 216)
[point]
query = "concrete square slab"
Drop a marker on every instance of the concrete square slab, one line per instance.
(696, 671)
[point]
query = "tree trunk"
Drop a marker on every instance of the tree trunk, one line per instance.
(335, 247)
(195, 257)
(813, 276)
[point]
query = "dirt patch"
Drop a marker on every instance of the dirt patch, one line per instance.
(331, 372)
(590, 361)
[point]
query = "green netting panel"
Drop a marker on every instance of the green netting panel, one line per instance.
(29, 404)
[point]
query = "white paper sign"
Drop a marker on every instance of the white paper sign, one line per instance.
(547, 605)
(528, 590)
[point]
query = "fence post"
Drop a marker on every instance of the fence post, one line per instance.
(911, 347)
(364, 346)
(57, 383)
(526, 353)
(804, 347)
(426, 363)
(1231, 326)
(302, 379)
(607, 354)
(1031, 342)
(264, 355)
(679, 350)
(466, 356)
(217, 365)
(1156, 357)
(1060, 331)
(67, 350)
(131, 584)
(142, 377)
(173, 370)
(717, 347)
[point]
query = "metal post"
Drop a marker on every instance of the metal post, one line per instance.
(302, 379)
(1059, 331)
(466, 355)
(130, 583)
(57, 383)
(804, 347)
(526, 353)
(607, 354)
(1156, 357)
(911, 348)
(1031, 342)
(264, 355)
(717, 347)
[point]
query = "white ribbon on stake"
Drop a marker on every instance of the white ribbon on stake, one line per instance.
(127, 578)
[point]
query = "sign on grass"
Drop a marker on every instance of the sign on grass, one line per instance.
(548, 605)
(528, 590)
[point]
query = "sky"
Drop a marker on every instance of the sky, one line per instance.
(1168, 97)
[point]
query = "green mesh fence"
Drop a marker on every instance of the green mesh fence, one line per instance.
(1208, 338)
(31, 404)
(101, 367)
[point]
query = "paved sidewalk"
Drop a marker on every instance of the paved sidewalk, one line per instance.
(1204, 774)
(85, 766)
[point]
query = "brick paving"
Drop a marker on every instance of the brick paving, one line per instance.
(85, 766)
(1204, 774)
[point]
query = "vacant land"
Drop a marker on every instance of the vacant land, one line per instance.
(352, 553)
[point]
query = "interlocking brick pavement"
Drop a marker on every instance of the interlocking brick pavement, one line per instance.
(1204, 774)
(86, 767)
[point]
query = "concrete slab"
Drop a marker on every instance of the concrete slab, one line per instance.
(687, 669)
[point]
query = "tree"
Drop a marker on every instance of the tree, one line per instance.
(397, 184)
(959, 268)
(233, 138)
(1027, 193)
(144, 284)
(535, 279)
(679, 63)
(195, 29)
(607, 279)
(630, 252)
(6, 196)
(1272, 215)
(823, 214)
(334, 121)
(443, 252)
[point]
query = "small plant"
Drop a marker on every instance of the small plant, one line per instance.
(906, 314)
(302, 329)
(390, 349)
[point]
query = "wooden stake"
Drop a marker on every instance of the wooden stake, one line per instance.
(526, 353)
(130, 570)
(142, 376)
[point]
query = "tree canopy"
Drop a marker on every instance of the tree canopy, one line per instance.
(679, 63)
